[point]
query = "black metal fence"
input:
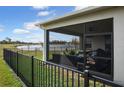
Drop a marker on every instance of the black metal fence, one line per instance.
(21, 64)
(37, 73)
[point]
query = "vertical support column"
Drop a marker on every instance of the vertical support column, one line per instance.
(84, 45)
(46, 46)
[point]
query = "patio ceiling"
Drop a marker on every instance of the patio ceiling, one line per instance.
(76, 30)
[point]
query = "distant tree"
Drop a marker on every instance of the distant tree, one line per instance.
(4, 42)
(41, 43)
(75, 42)
(8, 40)
(58, 42)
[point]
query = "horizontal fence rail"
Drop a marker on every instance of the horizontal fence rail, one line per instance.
(37, 73)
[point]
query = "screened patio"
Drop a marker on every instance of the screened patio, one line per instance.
(96, 45)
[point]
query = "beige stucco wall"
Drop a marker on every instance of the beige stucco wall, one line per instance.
(119, 45)
(118, 15)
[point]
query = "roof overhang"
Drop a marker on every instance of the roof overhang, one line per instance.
(67, 24)
(84, 11)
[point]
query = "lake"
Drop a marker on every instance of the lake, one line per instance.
(57, 47)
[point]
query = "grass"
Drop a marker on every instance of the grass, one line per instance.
(7, 78)
(36, 53)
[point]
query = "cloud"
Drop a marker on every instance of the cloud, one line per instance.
(35, 37)
(31, 25)
(21, 31)
(44, 13)
(40, 7)
(1, 28)
(32, 37)
(28, 35)
(43, 10)
(79, 7)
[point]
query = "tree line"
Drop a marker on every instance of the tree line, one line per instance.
(8, 40)
(73, 41)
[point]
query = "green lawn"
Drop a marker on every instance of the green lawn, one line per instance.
(7, 77)
(35, 53)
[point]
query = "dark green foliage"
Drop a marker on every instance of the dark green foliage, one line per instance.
(71, 52)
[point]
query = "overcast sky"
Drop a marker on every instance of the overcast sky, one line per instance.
(18, 22)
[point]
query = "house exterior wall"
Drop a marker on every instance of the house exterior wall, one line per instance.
(119, 45)
(117, 13)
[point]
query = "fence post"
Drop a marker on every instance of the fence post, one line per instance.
(3, 54)
(54, 50)
(17, 63)
(86, 78)
(61, 49)
(9, 58)
(32, 66)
